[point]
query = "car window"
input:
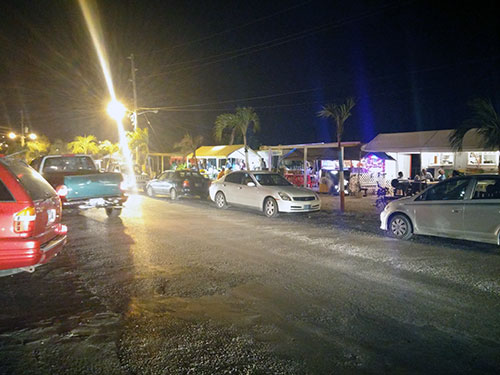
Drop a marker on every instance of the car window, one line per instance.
(68, 164)
(5, 195)
(34, 184)
(35, 164)
(271, 179)
(235, 178)
(163, 176)
(247, 178)
(446, 191)
(184, 174)
(487, 189)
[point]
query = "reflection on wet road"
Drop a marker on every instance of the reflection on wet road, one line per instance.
(180, 287)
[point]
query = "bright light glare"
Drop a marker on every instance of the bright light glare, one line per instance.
(116, 110)
(97, 38)
(32, 136)
(12, 135)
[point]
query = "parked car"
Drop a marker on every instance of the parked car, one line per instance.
(31, 232)
(462, 207)
(80, 184)
(180, 183)
(265, 191)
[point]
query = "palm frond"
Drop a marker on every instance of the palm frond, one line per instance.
(486, 122)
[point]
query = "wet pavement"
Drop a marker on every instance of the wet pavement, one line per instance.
(184, 288)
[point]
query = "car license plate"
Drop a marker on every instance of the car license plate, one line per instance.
(97, 202)
(51, 216)
(307, 206)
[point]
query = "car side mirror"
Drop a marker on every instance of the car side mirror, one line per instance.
(251, 184)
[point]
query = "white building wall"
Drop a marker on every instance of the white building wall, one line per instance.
(402, 163)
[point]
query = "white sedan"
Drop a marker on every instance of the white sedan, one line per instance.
(265, 191)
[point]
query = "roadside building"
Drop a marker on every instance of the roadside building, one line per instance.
(413, 151)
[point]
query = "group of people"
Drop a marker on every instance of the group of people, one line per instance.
(405, 187)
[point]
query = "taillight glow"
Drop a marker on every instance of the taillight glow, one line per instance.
(24, 220)
(185, 184)
(62, 190)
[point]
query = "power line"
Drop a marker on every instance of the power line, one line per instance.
(277, 41)
(202, 39)
(178, 108)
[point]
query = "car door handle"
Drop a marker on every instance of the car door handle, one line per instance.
(456, 210)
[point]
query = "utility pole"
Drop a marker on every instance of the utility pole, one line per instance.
(134, 89)
(135, 118)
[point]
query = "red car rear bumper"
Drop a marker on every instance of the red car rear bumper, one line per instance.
(20, 254)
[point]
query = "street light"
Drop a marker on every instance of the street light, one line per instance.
(116, 110)
(31, 136)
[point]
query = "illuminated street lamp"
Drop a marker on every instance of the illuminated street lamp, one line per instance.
(31, 136)
(116, 110)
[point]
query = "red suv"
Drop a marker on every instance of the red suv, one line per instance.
(31, 232)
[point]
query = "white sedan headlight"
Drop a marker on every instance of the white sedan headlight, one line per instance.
(284, 196)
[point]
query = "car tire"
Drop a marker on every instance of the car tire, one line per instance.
(400, 227)
(270, 207)
(113, 211)
(173, 194)
(150, 192)
(220, 200)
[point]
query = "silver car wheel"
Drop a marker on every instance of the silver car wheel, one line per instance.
(400, 227)
(173, 194)
(150, 191)
(270, 208)
(220, 200)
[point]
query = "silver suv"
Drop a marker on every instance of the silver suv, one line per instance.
(461, 207)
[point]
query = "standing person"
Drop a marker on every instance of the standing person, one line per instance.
(221, 173)
(441, 174)
(262, 164)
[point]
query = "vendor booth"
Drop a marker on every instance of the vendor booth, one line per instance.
(212, 158)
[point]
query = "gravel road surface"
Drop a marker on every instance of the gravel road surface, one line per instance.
(183, 288)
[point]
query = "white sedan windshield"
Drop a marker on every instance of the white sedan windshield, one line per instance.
(267, 179)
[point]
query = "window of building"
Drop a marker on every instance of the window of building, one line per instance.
(442, 158)
(483, 158)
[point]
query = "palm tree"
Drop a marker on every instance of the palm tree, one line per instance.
(108, 148)
(238, 122)
(339, 113)
(189, 144)
(485, 122)
(37, 147)
(138, 140)
(84, 145)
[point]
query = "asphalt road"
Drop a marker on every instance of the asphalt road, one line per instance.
(184, 288)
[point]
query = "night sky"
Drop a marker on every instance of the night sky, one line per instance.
(410, 65)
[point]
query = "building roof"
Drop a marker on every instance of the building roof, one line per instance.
(423, 141)
(222, 151)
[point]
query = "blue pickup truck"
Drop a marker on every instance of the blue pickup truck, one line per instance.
(79, 183)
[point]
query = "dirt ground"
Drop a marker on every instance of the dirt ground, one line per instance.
(184, 288)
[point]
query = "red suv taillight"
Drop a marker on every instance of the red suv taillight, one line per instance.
(24, 220)
(62, 191)
(185, 184)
